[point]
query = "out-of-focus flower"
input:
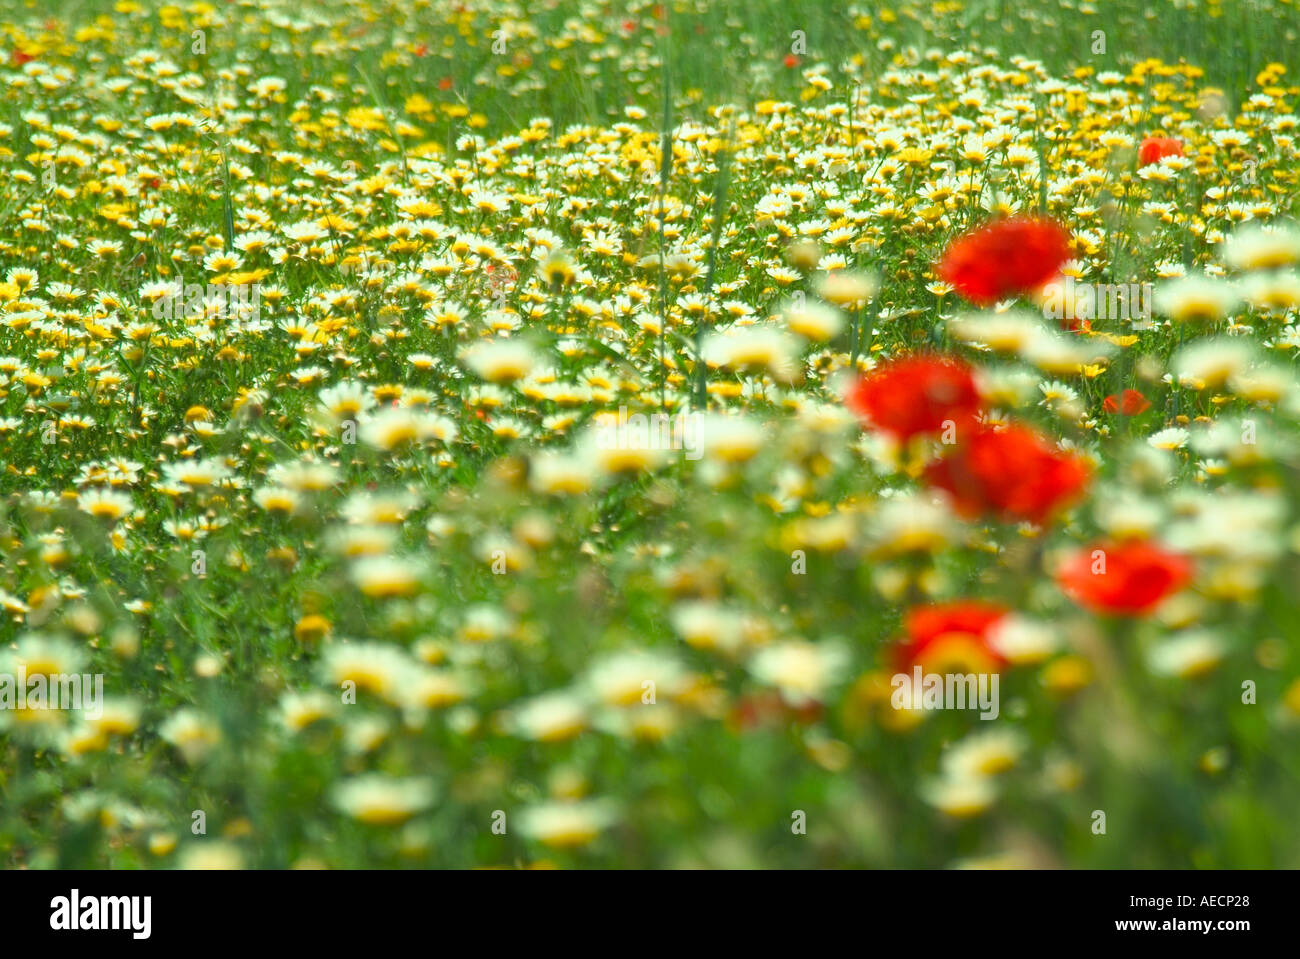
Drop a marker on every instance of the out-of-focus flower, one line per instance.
(1011, 473)
(708, 625)
(801, 671)
(1009, 257)
(1128, 403)
(951, 637)
(560, 473)
(105, 505)
(961, 798)
(813, 321)
(500, 360)
(551, 717)
(984, 754)
(912, 524)
(754, 348)
(1256, 247)
(1123, 578)
(383, 577)
(846, 288)
(567, 824)
(1200, 299)
(724, 439)
(383, 800)
(634, 677)
(192, 733)
(1021, 640)
(917, 395)
(212, 855)
(1188, 655)
(1155, 149)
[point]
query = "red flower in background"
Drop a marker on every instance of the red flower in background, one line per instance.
(791, 61)
(1005, 258)
(1127, 403)
(1155, 149)
(17, 58)
(916, 394)
(951, 634)
(1128, 579)
(1011, 473)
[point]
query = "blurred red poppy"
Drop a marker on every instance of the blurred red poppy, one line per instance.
(1005, 258)
(1011, 473)
(791, 61)
(916, 394)
(1124, 578)
(1154, 149)
(953, 635)
(1127, 403)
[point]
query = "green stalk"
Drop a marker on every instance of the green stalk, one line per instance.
(383, 111)
(719, 210)
(665, 170)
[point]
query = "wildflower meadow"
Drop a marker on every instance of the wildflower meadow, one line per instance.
(649, 435)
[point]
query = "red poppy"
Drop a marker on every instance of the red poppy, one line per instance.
(420, 50)
(17, 58)
(1011, 473)
(953, 634)
(1128, 578)
(791, 61)
(1005, 258)
(1127, 403)
(1155, 149)
(916, 394)
(629, 26)
(444, 83)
